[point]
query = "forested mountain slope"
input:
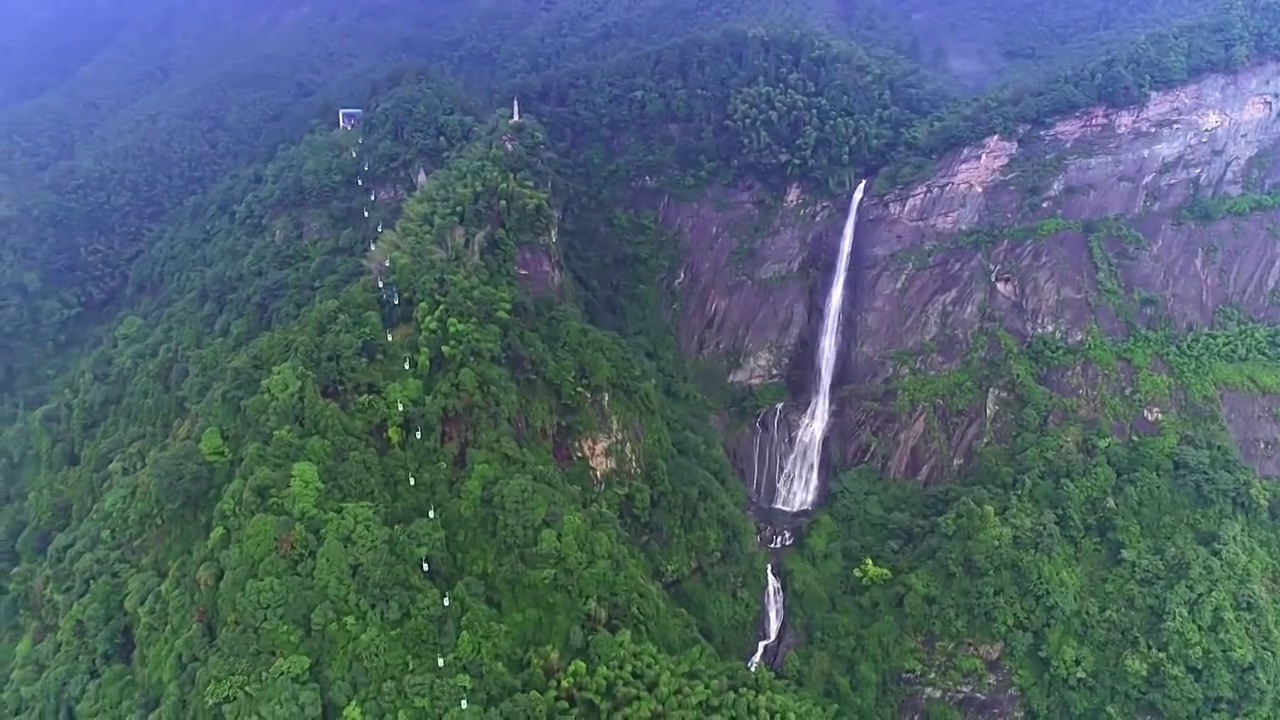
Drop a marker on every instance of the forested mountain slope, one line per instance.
(311, 418)
(303, 440)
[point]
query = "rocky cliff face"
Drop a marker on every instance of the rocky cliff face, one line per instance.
(1000, 235)
(744, 290)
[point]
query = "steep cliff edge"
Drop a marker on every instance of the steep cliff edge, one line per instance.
(1106, 219)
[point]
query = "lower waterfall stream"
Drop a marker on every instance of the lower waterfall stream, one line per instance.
(773, 610)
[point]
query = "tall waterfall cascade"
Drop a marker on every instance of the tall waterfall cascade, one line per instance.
(798, 481)
(773, 616)
(798, 484)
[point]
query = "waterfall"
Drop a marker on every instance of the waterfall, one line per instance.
(772, 615)
(766, 453)
(798, 485)
(796, 480)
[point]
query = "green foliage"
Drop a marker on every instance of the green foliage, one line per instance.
(304, 489)
(871, 574)
(1204, 209)
(771, 106)
(617, 678)
(213, 448)
(208, 510)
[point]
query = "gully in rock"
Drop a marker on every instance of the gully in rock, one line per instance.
(796, 485)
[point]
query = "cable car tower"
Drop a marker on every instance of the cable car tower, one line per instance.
(349, 118)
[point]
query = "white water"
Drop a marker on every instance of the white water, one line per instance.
(766, 467)
(798, 483)
(773, 616)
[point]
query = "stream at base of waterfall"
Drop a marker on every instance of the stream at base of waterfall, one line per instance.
(797, 484)
(773, 611)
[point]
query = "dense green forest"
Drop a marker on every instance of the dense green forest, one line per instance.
(260, 428)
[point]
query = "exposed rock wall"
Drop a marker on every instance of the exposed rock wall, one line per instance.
(539, 268)
(745, 283)
(750, 285)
